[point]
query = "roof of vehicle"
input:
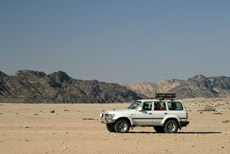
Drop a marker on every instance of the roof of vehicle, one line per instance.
(143, 100)
(161, 96)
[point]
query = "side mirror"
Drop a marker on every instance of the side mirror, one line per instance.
(139, 108)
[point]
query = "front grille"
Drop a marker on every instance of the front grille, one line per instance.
(104, 116)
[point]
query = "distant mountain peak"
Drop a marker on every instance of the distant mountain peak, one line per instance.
(148, 88)
(199, 77)
(60, 76)
(30, 73)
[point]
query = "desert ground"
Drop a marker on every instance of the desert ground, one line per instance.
(76, 129)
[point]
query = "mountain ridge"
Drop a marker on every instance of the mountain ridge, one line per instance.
(197, 86)
(37, 87)
(26, 86)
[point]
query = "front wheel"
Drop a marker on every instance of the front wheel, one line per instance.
(122, 126)
(171, 126)
(110, 127)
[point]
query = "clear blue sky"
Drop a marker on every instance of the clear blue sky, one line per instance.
(121, 41)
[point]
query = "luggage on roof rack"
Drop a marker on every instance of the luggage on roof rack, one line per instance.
(164, 95)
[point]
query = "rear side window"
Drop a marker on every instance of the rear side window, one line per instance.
(175, 106)
(159, 106)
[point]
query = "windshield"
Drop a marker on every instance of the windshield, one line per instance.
(134, 105)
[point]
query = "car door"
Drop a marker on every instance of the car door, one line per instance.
(144, 116)
(160, 111)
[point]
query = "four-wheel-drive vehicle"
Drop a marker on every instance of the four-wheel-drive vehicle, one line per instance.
(164, 113)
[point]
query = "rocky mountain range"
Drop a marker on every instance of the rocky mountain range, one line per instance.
(198, 86)
(37, 87)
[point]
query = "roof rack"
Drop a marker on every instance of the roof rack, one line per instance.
(162, 96)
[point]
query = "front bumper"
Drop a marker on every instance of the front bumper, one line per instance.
(106, 118)
(107, 121)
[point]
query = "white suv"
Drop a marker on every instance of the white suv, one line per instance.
(164, 113)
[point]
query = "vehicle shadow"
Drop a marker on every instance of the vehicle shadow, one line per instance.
(199, 132)
(177, 133)
(143, 132)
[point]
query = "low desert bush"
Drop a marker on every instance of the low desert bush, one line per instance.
(88, 119)
(209, 108)
(218, 113)
(226, 121)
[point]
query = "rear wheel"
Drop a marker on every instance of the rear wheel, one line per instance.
(159, 129)
(171, 126)
(122, 126)
(110, 127)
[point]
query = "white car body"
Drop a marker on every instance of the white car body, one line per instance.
(147, 113)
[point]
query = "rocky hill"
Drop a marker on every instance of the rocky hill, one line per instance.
(37, 87)
(198, 86)
(201, 86)
(147, 88)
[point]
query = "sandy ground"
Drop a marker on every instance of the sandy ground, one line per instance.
(76, 129)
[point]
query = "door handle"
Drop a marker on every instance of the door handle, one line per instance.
(166, 113)
(150, 113)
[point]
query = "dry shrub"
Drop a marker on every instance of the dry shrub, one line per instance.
(218, 113)
(209, 108)
(88, 119)
(226, 121)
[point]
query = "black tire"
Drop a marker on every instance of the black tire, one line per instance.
(122, 126)
(110, 127)
(159, 129)
(171, 126)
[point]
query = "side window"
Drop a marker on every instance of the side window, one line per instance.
(159, 106)
(147, 106)
(175, 106)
